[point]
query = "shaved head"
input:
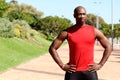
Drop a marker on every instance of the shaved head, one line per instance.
(79, 8)
(80, 15)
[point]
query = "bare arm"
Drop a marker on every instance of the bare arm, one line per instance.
(53, 51)
(55, 45)
(106, 45)
(107, 50)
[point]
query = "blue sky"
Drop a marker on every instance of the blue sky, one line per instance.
(64, 8)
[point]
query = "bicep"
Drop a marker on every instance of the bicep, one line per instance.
(59, 40)
(101, 38)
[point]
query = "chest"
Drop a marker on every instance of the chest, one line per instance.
(82, 36)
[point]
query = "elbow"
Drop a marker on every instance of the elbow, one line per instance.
(51, 50)
(109, 48)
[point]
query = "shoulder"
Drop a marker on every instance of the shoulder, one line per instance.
(97, 31)
(99, 34)
(70, 28)
(62, 35)
(64, 32)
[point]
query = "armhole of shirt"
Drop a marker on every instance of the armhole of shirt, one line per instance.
(94, 32)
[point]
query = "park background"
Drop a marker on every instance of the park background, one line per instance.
(28, 27)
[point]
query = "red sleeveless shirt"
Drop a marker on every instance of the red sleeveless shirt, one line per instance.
(81, 46)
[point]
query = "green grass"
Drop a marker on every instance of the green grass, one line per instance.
(14, 51)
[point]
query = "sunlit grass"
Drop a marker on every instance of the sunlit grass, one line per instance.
(14, 51)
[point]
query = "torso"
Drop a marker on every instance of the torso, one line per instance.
(81, 44)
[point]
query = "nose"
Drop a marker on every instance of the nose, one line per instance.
(82, 15)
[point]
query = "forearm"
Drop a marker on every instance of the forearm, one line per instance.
(55, 56)
(106, 55)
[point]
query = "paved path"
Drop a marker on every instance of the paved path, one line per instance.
(44, 68)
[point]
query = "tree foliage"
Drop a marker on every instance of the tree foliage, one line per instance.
(3, 7)
(25, 8)
(24, 12)
(91, 19)
(15, 15)
(51, 26)
(117, 30)
(106, 29)
(29, 18)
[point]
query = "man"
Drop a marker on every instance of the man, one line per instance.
(81, 38)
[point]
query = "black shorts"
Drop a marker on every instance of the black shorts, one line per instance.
(81, 75)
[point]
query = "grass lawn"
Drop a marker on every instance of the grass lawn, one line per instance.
(14, 51)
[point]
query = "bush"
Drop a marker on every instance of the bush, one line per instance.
(18, 28)
(6, 28)
(21, 29)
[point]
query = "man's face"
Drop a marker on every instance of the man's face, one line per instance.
(80, 15)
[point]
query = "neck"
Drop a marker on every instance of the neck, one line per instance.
(80, 24)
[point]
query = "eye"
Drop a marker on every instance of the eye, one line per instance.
(81, 13)
(84, 13)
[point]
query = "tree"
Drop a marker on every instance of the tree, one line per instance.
(25, 8)
(117, 31)
(106, 29)
(91, 19)
(15, 15)
(31, 19)
(25, 12)
(51, 26)
(3, 7)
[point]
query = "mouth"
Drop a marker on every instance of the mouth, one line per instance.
(81, 19)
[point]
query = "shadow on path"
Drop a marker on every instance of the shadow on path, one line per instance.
(35, 71)
(44, 72)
